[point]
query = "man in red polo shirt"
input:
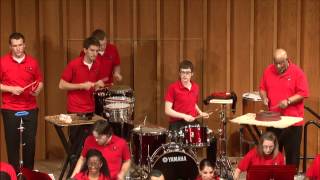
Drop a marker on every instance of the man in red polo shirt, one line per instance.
(21, 82)
(181, 99)
(283, 88)
(80, 78)
(113, 148)
(109, 58)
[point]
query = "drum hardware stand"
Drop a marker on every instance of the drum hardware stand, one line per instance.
(21, 129)
(223, 164)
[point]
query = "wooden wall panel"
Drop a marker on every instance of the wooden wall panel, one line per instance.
(216, 75)
(99, 15)
(54, 64)
(310, 62)
(263, 39)
(230, 42)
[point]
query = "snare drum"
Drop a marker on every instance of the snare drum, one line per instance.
(175, 164)
(145, 141)
(195, 136)
(118, 112)
(99, 97)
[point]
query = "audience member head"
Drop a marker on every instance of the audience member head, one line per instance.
(268, 144)
(206, 170)
(95, 163)
(156, 174)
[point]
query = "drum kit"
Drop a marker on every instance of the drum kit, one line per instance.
(154, 147)
(171, 152)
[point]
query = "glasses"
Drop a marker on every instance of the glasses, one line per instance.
(281, 62)
(185, 72)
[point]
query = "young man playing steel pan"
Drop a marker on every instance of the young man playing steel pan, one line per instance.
(181, 99)
(80, 78)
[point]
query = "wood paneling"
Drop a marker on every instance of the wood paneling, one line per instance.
(229, 41)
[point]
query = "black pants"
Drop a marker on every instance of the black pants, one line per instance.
(12, 136)
(289, 139)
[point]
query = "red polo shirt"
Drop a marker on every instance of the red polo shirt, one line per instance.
(21, 74)
(280, 87)
(81, 101)
(5, 167)
(115, 152)
(183, 99)
(253, 158)
(108, 60)
(313, 171)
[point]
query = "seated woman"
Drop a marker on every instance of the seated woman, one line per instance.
(206, 170)
(95, 167)
(313, 172)
(266, 153)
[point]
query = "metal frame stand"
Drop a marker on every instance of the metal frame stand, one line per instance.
(223, 164)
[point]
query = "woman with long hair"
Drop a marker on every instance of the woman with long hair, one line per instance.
(206, 170)
(266, 153)
(94, 168)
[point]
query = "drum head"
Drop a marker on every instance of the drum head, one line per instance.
(177, 165)
(121, 88)
(149, 130)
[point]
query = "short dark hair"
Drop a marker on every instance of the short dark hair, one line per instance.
(205, 163)
(99, 34)
(90, 41)
(4, 175)
(102, 127)
(155, 173)
(186, 64)
(16, 36)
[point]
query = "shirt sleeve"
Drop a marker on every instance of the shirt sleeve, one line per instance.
(302, 85)
(170, 94)
(67, 73)
(85, 147)
(38, 74)
(126, 152)
(114, 54)
(246, 161)
(314, 169)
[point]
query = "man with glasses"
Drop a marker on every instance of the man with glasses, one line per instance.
(283, 88)
(181, 99)
(113, 148)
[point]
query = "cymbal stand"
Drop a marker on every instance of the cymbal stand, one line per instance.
(223, 163)
(21, 128)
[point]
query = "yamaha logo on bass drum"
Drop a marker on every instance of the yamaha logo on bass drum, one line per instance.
(174, 159)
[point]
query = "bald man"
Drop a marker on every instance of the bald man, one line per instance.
(283, 88)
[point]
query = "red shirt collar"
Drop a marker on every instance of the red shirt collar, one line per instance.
(182, 87)
(24, 59)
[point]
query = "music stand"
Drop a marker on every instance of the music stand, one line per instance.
(274, 172)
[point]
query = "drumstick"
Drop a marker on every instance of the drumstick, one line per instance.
(200, 116)
(27, 86)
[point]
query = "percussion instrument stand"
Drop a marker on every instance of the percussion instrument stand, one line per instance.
(21, 128)
(223, 163)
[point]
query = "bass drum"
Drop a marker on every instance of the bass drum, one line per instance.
(176, 164)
